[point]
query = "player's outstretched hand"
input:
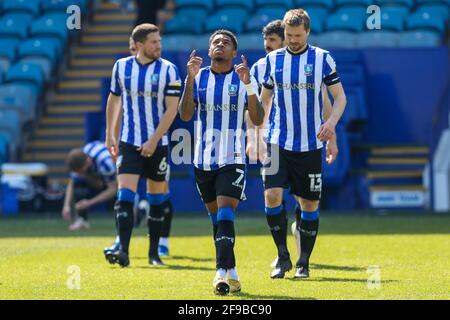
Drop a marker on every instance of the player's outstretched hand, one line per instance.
(193, 65)
(243, 71)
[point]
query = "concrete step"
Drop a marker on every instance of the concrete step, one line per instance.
(97, 62)
(91, 74)
(56, 110)
(79, 84)
(69, 98)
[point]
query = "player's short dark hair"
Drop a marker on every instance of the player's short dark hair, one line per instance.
(140, 32)
(227, 33)
(76, 159)
(297, 17)
(275, 27)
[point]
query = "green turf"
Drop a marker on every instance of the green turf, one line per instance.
(412, 252)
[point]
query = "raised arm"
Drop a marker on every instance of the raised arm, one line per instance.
(186, 107)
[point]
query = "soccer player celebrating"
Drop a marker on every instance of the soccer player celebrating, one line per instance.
(146, 88)
(293, 79)
(92, 181)
(219, 95)
(273, 34)
(163, 247)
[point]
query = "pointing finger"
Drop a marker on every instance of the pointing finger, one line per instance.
(192, 54)
(244, 59)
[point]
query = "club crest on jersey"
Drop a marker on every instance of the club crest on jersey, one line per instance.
(155, 78)
(232, 89)
(308, 69)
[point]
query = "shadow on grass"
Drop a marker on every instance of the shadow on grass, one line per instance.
(269, 297)
(338, 268)
(176, 267)
(326, 279)
(169, 258)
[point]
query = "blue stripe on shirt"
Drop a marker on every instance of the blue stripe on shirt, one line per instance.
(311, 123)
(217, 121)
(128, 70)
(203, 83)
(155, 89)
(141, 102)
(279, 65)
(295, 98)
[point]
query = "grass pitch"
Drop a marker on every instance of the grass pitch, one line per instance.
(400, 256)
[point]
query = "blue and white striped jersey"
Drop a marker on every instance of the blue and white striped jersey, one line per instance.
(102, 163)
(257, 70)
(297, 80)
(221, 100)
(143, 89)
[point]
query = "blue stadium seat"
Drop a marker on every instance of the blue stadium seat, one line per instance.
(374, 39)
(405, 3)
(447, 2)
(206, 4)
(4, 147)
(29, 6)
(178, 42)
(51, 25)
(39, 47)
(186, 21)
(317, 21)
(356, 109)
(435, 10)
(8, 51)
(231, 19)
(262, 17)
(426, 20)
(349, 19)
(12, 28)
(235, 3)
(18, 97)
(26, 18)
(251, 41)
(45, 64)
(327, 4)
(336, 39)
(419, 38)
(10, 125)
(49, 6)
(53, 42)
(26, 72)
(317, 11)
(393, 18)
(201, 43)
(362, 3)
(287, 4)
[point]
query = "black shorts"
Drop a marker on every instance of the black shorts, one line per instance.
(227, 181)
(299, 171)
(130, 161)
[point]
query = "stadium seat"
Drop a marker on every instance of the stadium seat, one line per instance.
(49, 6)
(18, 97)
(220, 4)
(373, 39)
(317, 11)
(447, 2)
(405, 3)
(28, 6)
(435, 10)
(201, 43)
(393, 18)
(4, 146)
(251, 41)
(356, 109)
(327, 4)
(287, 4)
(7, 53)
(54, 43)
(41, 48)
(45, 64)
(418, 38)
(349, 19)
(262, 17)
(206, 4)
(10, 125)
(12, 28)
(26, 72)
(187, 21)
(317, 21)
(178, 42)
(231, 19)
(51, 25)
(336, 39)
(361, 3)
(426, 20)
(26, 18)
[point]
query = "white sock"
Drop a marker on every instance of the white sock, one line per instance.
(117, 239)
(221, 273)
(164, 242)
(232, 274)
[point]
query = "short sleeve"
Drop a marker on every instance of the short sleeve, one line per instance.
(268, 82)
(115, 83)
(173, 82)
(330, 76)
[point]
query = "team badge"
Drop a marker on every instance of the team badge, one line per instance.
(232, 89)
(308, 69)
(155, 78)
